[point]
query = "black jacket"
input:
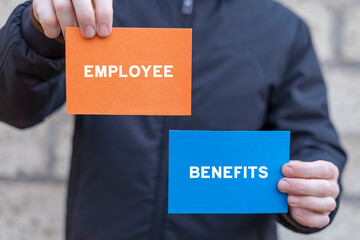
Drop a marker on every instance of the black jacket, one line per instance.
(254, 68)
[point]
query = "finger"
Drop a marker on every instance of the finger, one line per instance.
(46, 16)
(316, 204)
(308, 187)
(104, 17)
(34, 10)
(65, 14)
(309, 218)
(85, 17)
(318, 169)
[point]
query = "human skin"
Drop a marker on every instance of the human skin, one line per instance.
(312, 189)
(312, 186)
(92, 16)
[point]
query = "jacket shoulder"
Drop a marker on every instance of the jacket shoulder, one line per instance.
(281, 15)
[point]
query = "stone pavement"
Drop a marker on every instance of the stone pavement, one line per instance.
(34, 162)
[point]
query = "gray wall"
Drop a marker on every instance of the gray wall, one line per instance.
(34, 162)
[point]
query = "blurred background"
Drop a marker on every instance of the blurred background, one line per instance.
(34, 163)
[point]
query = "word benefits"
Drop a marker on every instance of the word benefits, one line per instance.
(134, 71)
(228, 172)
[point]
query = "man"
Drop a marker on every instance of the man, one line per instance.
(254, 68)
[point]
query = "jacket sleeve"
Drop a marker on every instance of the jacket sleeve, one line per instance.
(32, 77)
(299, 104)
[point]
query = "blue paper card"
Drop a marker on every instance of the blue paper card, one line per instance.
(227, 171)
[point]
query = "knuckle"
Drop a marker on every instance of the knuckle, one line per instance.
(324, 168)
(299, 214)
(318, 222)
(40, 11)
(62, 6)
(305, 170)
(327, 170)
(332, 204)
(50, 24)
(326, 221)
(301, 187)
(330, 169)
(326, 189)
(304, 202)
(85, 17)
(312, 223)
(323, 172)
(48, 21)
(107, 13)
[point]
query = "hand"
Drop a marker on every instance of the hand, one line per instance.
(93, 16)
(312, 189)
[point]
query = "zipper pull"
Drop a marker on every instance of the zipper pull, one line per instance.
(187, 7)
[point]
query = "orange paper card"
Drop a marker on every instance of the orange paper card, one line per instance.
(135, 71)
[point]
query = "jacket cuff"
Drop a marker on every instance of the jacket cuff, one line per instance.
(43, 45)
(287, 221)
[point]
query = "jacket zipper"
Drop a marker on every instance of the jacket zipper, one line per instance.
(160, 194)
(160, 209)
(187, 7)
(187, 11)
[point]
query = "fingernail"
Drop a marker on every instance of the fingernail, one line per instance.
(283, 185)
(288, 170)
(293, 200)
(103, 30)
(89, 32)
